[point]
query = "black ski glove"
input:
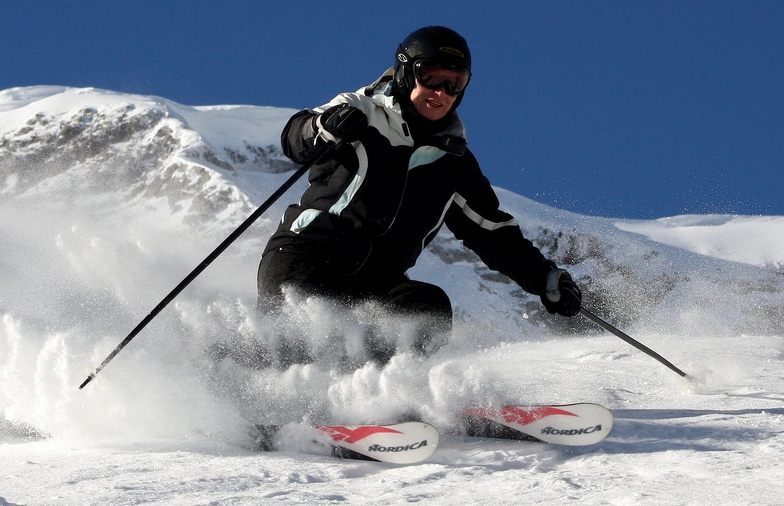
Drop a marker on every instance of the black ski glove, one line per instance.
(562, 295)
(342, 122)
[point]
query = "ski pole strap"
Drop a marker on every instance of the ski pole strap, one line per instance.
(553, 291)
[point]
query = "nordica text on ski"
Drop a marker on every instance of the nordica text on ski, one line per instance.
(413, 446)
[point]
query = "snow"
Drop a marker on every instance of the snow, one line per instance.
(88, 249)
(756, 240)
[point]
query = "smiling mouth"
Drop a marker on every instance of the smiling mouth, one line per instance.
(434, 104)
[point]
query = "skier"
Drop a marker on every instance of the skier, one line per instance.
(401, 172)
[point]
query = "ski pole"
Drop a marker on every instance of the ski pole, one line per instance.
(630, 340)
(326, 150)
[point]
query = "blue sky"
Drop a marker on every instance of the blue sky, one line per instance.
(638, 109)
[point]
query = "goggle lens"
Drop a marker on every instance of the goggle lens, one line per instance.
(435, 76)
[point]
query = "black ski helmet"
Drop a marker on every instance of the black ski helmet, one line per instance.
(433, 43)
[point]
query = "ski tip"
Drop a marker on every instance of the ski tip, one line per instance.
(578, 424)
(400, 443)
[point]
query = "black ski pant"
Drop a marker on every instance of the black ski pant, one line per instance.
(310, 272)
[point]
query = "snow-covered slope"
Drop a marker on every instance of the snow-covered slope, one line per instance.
(108, 200)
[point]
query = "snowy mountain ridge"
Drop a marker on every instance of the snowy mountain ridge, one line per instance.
(103, 141)
(107, 200)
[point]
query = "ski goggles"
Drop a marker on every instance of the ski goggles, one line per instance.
(435, 76)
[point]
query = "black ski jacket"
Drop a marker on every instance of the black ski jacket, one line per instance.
(378, 203)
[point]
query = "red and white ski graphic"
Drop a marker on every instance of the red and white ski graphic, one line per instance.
(401, 443)
(571, 424)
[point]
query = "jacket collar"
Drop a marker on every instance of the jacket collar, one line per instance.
(451, 137)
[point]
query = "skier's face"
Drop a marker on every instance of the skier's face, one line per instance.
(431, 104)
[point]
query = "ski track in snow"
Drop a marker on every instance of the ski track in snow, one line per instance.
(164, 424)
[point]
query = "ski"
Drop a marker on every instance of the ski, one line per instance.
(570, 424)
(411, 442)
(400, 443)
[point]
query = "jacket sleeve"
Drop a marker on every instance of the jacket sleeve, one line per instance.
(475, 218)
(298, 138)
